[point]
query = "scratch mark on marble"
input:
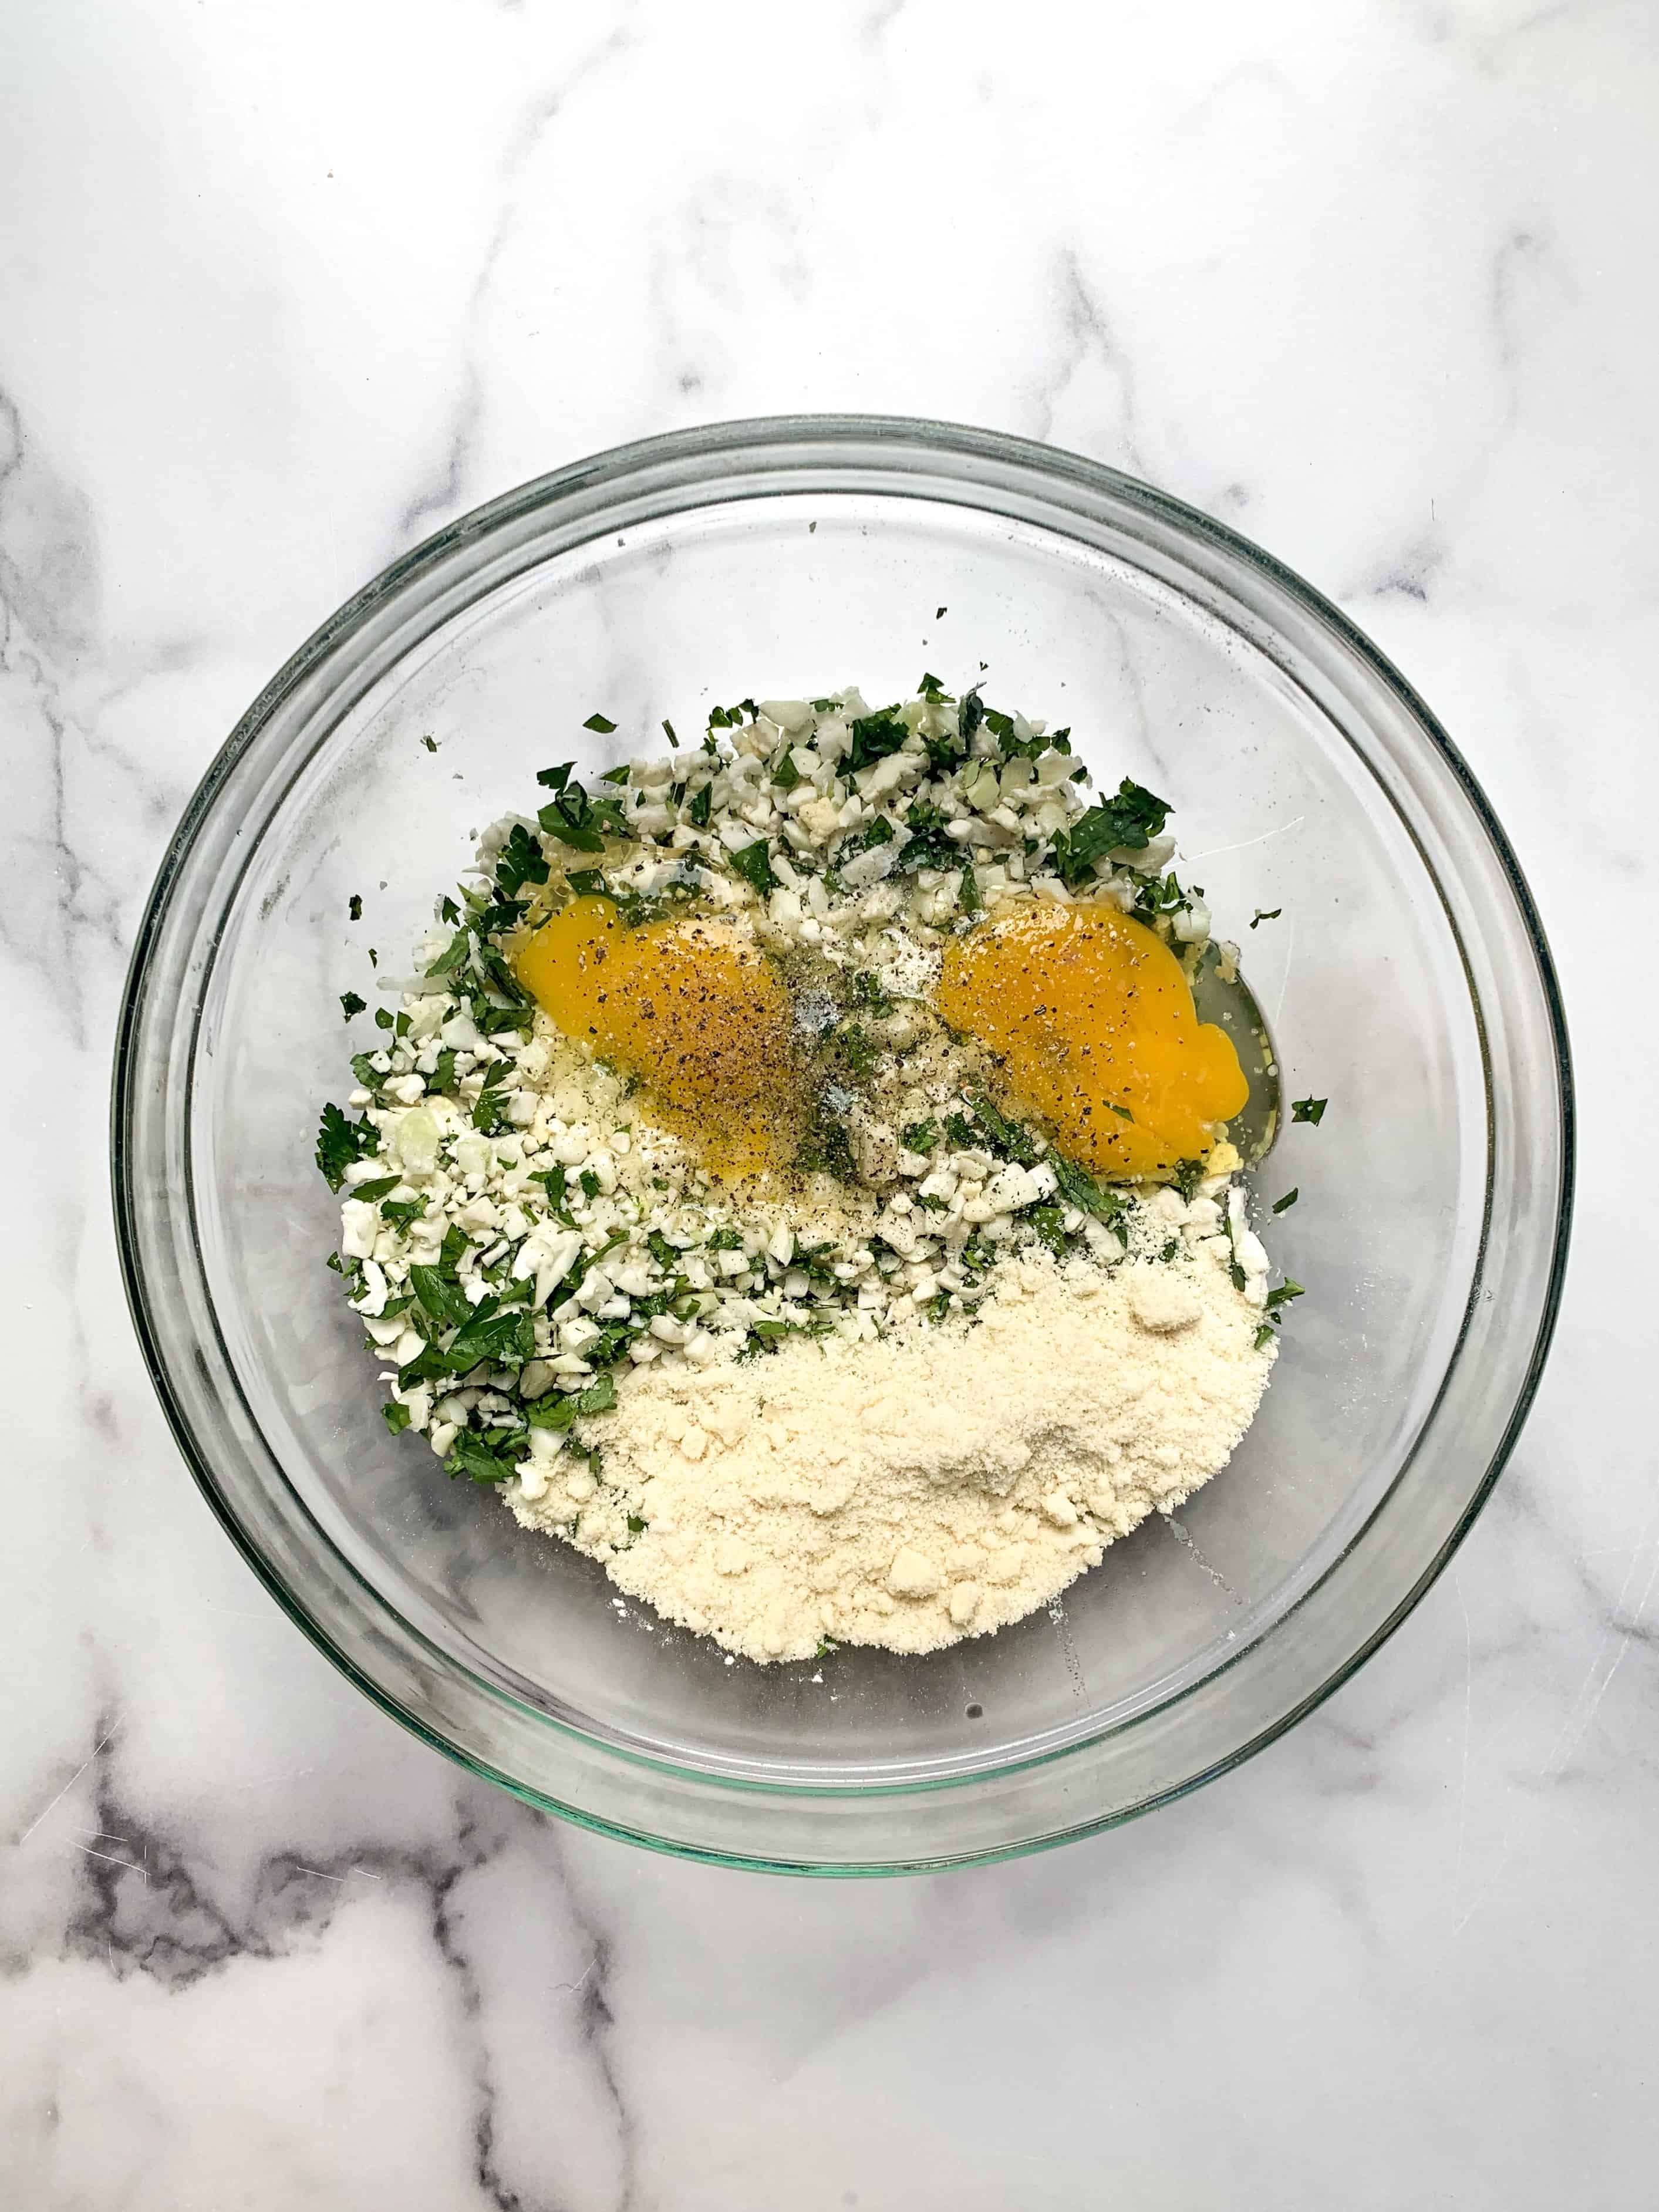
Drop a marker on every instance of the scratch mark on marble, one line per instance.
(1214, 852)
(102, 1745)
(132, 1865)
(1285, 979)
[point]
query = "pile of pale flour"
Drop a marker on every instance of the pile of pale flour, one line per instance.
(934, 1485)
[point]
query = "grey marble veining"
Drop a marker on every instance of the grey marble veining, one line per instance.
(286, 288)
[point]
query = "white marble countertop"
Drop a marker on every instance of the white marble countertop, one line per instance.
(285, 287)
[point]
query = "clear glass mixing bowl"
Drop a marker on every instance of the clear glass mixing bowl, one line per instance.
(1408, 980)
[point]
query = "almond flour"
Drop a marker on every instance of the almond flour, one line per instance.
(937, 1484)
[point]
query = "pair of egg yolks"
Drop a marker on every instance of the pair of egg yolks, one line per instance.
(1086, 1011)
(694, 1009)
(1092, 1020)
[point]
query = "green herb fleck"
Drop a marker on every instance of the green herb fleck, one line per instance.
(857, 1048)
(502, 1338)
(754, 864)
(1128, 822)
(395, 1416)
(439, 1297)
(1266, 913)
(1050, 1222)
(1284, 1204)
(1003, 1135)
(1309, 1110)
(520, 861)
(355, 907)
(668, 732)
(1282, 1296)
(486, 1458)
(602, 723)
(339, 1142)
(351, 1005)
(875, 735)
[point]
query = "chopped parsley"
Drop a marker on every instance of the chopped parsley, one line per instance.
(1128, 822)
(1003, 1135)
(1284, 1204)
(558, 1413)
(1309, 1110)
(602, 723)
(350, 1005)
(355, 907)
(572, 817)
(490, 1109)
(874, 736)
(487, 1455)
(754, 864)
(339, 1142)
(520, 861)
(1266, 913)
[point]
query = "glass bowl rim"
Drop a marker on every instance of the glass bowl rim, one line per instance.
(759, 440)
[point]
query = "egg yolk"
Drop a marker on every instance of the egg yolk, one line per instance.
(693, 1008)
(1093, 1022)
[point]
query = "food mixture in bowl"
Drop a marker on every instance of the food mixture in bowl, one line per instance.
(798, 1174)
